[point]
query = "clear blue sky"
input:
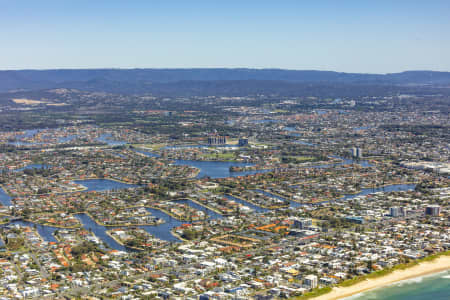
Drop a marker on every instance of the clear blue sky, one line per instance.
(349, 36)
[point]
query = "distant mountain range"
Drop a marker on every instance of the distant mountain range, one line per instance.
(129, 80)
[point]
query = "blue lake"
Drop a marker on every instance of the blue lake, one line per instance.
(218, 169)
(103, 184)
(346, 161)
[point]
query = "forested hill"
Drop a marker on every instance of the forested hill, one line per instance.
(140, 78)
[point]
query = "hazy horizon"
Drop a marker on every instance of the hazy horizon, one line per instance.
(215, 68)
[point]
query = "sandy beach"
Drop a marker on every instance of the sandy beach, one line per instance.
(438, 265)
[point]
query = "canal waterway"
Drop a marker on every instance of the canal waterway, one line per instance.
(149, 154)
(99, 231)
(5, 199)
(291, 203)
(46, 232)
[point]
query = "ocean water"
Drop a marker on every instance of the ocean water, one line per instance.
(433, 287)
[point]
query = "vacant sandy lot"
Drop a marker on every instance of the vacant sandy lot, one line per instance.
(56, 104)
(28, 101)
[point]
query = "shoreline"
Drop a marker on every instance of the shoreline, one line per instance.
(122, 243)
(425, 268)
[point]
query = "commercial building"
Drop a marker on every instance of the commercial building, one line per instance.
(310, 281)
(217, 140)
(243, 142)
(433, 210)
(302, 223)
(396, 211)
(356, 152)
